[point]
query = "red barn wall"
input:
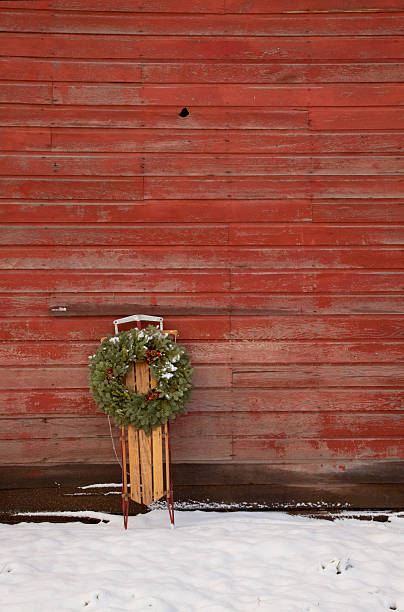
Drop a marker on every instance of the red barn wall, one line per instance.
(266, 226)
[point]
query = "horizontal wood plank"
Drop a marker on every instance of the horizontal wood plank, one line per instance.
(242, 187)
(319, 282)
(267, 235)
(287, 304)
(92, 329)
(386, 211)
(79, 402)
(100, 450)
(253, 165)
(150, 281)
(218, 141)
(208, 6)
(201, 47)
(195, 188)
(315, 257)
(286, 376)
(51, 452)
(347, 94)
(77, 353)
(204, 449)
(122, 235)
(83, 305)
(281, 73)
(270, 376)
(17, 93)
(208, 258)
(45, 69)
(313, 426)
(314, 234)
(194, 25)
(200, 118)
(72, 165)
(76, 377)
(376, 118)
(45, 402)
(24, 139)
(110, 71)
(310, 6)
(285, 473)
(366, 328)
(304, 327)
(161, 211)
(260, 425)
(135, 164)
(265, 450)
(65, 189)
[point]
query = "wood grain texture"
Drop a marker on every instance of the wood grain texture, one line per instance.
(194, 25)
(261, 425)
(226, 95)
(200, 118)
(359, 212)
(319, 376)
(279, 352)
(213, 141)
(279, 326)
(177, 48)
(266, 225)
(319, 282)
(37, 403)
(202, 261)
(266, 450)
(274, 234)
(208, 6)
(84, 305)
(157, 453)
(76, 377)
(178, 211)
(134, 465)
(127, 164)
(272, 187)
(121, 71)
(124, 235)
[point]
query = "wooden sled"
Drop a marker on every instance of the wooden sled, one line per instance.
(149, 456)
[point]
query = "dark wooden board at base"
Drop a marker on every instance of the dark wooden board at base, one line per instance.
(56, 488)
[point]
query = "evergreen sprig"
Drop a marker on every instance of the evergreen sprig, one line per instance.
(169, 364)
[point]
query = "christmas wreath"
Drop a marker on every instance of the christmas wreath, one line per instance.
(169, 365)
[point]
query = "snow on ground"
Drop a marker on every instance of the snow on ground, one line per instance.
(211, 561)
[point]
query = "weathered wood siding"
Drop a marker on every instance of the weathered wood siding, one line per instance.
(266, 226)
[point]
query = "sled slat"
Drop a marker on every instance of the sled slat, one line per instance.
(133, 447)
(145, 452)
(142, 381)
(158, 486)
(134, 466)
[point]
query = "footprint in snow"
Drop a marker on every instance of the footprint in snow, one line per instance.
(336, 566)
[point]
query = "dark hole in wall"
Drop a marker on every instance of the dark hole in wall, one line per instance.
(184, 112)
